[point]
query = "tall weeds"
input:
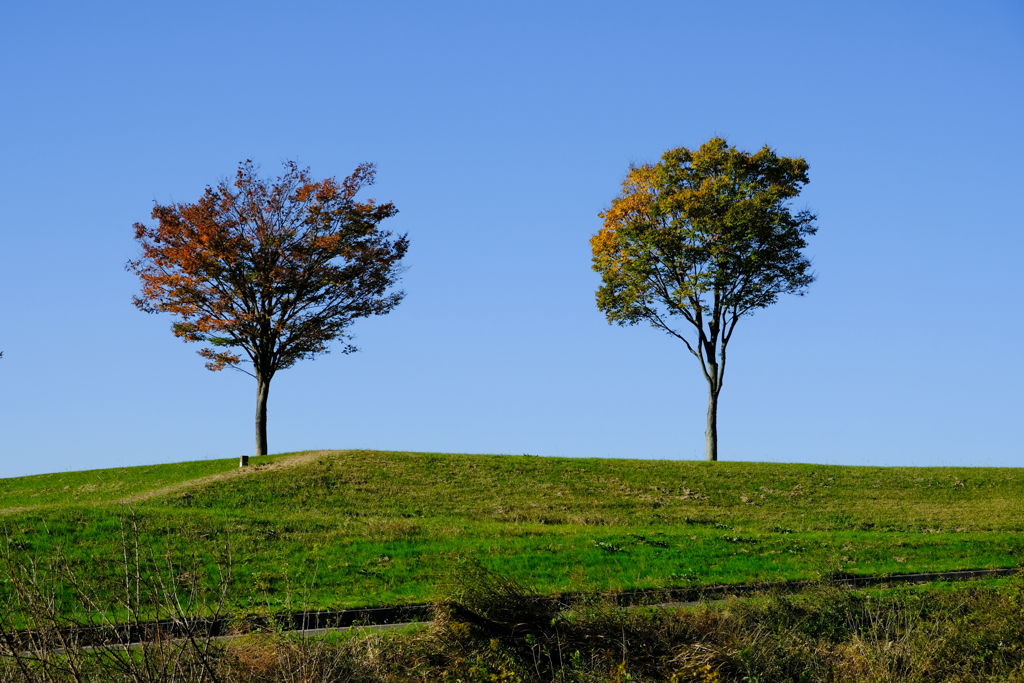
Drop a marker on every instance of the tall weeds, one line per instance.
(144, 615)
(497, 630)
(153, 614)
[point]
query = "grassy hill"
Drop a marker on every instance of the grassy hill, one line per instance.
(369, 527)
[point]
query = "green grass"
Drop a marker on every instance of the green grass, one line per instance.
(104, 486)
(368, 527)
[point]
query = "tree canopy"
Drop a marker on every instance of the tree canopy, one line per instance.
(698, 241)
(269, 272)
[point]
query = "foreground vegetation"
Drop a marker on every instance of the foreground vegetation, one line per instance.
(491, 629)
(830, 634)
(338, 529)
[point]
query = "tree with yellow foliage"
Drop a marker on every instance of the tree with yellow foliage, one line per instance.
(699, 240)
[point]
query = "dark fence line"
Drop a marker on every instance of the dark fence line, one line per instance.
(696, 593)
(199, 628)
(130, 634)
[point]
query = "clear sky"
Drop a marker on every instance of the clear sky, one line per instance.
(500, 130)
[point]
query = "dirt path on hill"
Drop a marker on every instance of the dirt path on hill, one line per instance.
(283, 464)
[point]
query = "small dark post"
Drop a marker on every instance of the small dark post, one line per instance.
(243, 461)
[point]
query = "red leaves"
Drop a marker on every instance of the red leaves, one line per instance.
(274, 269)
(218, 361)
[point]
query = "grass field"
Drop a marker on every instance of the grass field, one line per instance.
(352, 528)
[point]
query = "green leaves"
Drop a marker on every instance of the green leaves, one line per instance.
(706, 235)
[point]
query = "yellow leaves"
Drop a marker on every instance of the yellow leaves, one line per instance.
(604, 244)
(700, 221)
(632, 208)
(639, 191)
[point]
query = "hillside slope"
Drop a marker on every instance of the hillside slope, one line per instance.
(346, 528)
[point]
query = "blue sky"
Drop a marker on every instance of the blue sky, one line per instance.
(500, 130)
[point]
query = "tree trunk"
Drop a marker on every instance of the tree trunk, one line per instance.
(262, 390)
(711, 435)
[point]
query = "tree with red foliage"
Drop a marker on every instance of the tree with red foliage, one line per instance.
(269, 272)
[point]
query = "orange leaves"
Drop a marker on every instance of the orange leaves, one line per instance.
(634, 204)
(698, 241)
(274, 268)
(218, 361)
(703, 234)
(630, 212)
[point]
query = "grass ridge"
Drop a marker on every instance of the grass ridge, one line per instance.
(358, 527)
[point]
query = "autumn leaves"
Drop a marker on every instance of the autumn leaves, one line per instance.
(268, 272)
(698, 241)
